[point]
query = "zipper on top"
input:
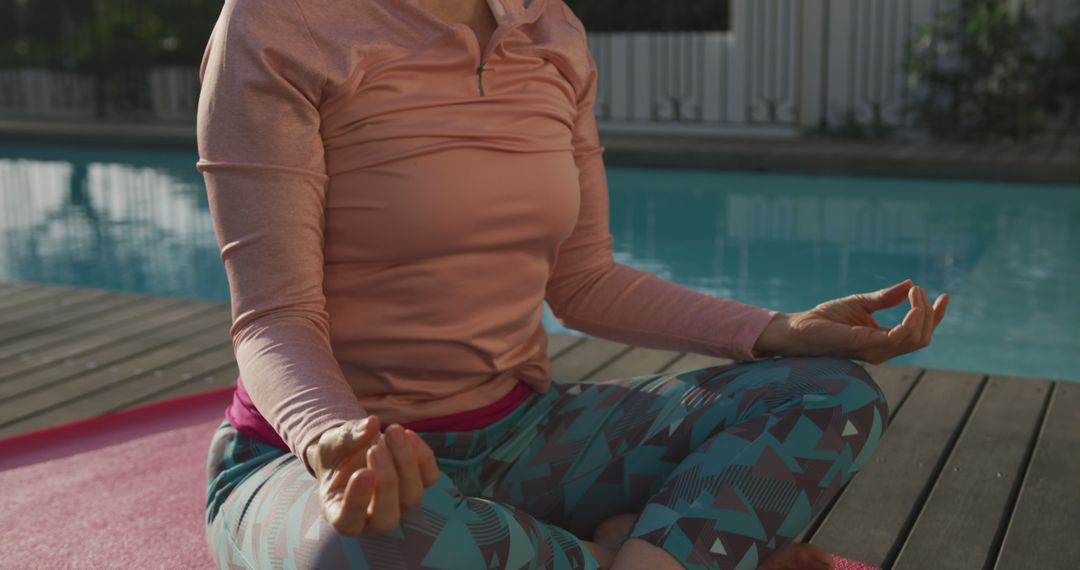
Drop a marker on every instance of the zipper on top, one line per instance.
(502, 27)
(505, 22)
(480, 78)
(481, 61)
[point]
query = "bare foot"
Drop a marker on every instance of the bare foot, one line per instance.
(799, 556)
(612, 531)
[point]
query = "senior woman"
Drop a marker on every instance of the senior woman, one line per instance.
(397, 186)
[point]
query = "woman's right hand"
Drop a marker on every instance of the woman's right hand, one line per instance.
(366, 480)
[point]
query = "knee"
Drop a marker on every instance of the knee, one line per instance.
(850, 383)
(865, 380)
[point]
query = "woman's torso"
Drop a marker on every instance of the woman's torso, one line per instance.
(449, 193)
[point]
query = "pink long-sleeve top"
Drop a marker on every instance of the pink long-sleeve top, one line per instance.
(391, 219)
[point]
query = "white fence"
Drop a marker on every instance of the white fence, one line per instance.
(50, 94)
(785, 65)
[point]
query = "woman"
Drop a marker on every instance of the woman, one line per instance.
(397, 186)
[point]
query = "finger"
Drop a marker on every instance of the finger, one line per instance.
(922, 316)
(350, 514)
(410, 487)
(902, 334)
(384, 510)
(940, 306)
(425, 457)
(928, 321)
(885, 298)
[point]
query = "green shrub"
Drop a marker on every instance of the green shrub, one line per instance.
(1063, 93)
(977, 73)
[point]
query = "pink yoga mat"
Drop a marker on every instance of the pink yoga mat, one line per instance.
(123, 490)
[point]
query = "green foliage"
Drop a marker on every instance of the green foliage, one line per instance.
(1063, 93)
(119, 35)
(651, 15)
(978, 74)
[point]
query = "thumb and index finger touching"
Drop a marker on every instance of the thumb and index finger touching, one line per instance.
(921, 319)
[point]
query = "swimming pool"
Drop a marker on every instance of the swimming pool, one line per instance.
(137, 220)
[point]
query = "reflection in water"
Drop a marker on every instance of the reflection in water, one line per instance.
(135, 220)
(130, 221)
(1008, 253)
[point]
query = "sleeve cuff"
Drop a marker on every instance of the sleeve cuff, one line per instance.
(749, 333)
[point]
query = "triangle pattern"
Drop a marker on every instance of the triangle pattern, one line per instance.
(314, 530)
(675, 424)
(718, 548)
(849, 429)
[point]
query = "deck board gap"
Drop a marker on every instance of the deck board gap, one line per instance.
(935, 475)
(105, 387)
(167, 389)
(1018, 484)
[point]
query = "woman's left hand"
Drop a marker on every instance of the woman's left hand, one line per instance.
(846, 327)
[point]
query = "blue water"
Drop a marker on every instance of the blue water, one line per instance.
(137, 220)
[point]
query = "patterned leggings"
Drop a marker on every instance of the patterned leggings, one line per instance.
(725, 464)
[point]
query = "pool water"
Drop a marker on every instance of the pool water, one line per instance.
(130, 219)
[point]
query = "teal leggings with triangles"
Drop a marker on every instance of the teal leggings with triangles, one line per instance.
(726, 464)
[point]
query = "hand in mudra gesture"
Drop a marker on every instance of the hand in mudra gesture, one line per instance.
(366, 480)
(846, 327)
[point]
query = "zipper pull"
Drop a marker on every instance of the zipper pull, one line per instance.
(480, 78)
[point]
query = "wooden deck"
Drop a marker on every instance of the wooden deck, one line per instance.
(974, 471)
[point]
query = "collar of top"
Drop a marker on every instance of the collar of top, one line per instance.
(508, 9)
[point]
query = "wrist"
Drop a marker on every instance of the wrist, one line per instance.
(773, 340)
(310, 454)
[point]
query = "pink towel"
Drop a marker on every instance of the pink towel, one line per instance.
(123, 490)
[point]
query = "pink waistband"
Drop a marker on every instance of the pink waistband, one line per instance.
(478, 418)
(245, 417)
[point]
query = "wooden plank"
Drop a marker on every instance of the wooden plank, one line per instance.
(61, 304)
(66, 320)
(1042, 532)
(9, 287)
(970, 504)
(896, 383)
(28, 296)
(55, 364)
(560, 343)
(694, 361)
(219, 378)
(119, 363)
(877, 507)
(20, 343)
(584, 359)
(636, 362)
(125, 388)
